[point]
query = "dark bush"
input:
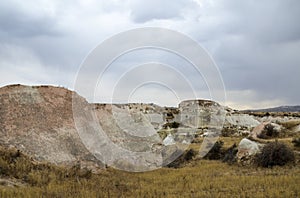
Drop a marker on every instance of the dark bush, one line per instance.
(4, 167)
(183, 159)
(170, 115)
(226, 132)
(196, 140)
(267, 114)
(296, 142)
(269, 132)
(230, 154)
(275, 154)
(216, 151)
(173, 125)
(190, 154)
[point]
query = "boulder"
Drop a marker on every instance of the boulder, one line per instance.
(246, 150)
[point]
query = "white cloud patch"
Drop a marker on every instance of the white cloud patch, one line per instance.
(143, 11)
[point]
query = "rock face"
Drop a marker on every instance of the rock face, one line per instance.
(238, 123)
(38, 121)
(201, 114)
(242, 120)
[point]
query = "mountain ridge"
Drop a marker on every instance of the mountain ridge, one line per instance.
(284, 108)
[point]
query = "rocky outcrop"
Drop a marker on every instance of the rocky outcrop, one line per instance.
(39, 121)
(201, 114)
(237, 124)
(253, 144)
(242, 120)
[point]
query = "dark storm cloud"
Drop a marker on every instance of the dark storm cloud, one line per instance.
(39, 29)
(256, 44)
(268, 20)
(257, 47)
(16, 21)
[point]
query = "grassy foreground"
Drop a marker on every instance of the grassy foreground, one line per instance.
(200, 178)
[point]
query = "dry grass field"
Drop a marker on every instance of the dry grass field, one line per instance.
(22, 177)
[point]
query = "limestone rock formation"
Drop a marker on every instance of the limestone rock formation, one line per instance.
(39, 121)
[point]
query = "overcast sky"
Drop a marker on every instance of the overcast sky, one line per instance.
(255, 44)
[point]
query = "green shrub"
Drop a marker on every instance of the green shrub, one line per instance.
(275, 154)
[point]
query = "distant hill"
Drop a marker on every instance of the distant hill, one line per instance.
(276, 109)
